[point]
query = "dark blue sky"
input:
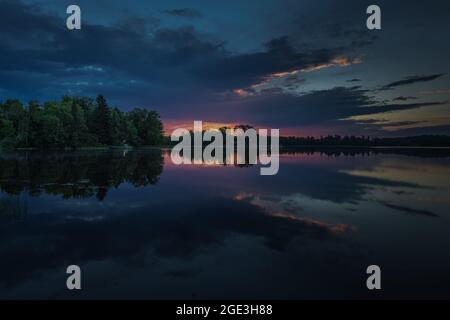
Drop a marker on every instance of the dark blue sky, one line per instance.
(307, 67)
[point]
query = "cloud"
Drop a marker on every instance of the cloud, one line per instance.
(411, 80)
(397, 124)
(185, 13)
(435, 92)
(403, 98)
(338, 61)
(435, 129)
(328, 107)
(408, 210)
(169, 62)
(279, 58)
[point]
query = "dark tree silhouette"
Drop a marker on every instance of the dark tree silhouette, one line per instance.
(74, 123)
(102, 121)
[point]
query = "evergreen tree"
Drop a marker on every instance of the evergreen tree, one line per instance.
(153, 129)
(102, 121)
(35, 134)
(75, 128)
(117, 135)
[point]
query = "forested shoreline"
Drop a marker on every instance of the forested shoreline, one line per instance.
(367, 141)
(82, 122)
(76, 122)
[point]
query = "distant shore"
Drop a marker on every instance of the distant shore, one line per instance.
(283, 147)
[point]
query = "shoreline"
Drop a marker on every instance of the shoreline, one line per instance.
(284, 147)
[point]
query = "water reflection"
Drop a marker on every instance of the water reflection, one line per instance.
(78, 174)
(141, 227)
(12, 208)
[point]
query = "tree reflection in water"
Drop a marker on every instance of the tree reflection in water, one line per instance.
(78, 174)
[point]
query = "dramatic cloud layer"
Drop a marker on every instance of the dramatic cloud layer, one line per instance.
(209, 63)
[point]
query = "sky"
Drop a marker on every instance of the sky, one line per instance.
(306, 67)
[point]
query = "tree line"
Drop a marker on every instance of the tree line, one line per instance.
(75, 122)
(337, 140)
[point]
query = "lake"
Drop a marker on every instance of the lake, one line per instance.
(142, 227)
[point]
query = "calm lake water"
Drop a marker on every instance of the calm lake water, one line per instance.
(141, 227)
